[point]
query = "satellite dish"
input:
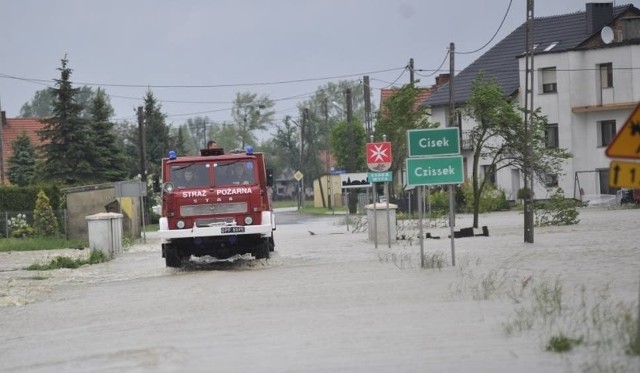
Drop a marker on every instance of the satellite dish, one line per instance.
(606, 34)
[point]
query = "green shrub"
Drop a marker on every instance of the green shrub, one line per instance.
(562, 343)
(23, 232)
(439, 200)
(523, 193)
(557, 211)
(45, 222)
(67, 262)
(19, 227)
(492, 198)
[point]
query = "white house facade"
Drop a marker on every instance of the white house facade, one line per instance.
(586, 82)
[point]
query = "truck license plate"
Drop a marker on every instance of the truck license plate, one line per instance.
(232, 229)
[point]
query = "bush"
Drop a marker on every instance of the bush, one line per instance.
(557, 211)
(45, 222)
(19, 227)
(492, 198)
(523, 193)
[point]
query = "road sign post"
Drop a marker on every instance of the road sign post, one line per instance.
(434, 170)
(433, 142)
(434, 159)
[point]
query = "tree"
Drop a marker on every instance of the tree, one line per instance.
(401, 112)
(156, 134)
(284, 153)
(128, 144)
(328, 106)
(108, 163)
(349, 140)
(251, 113)
(41, 105)
(22, 163)
(200, 131)
(67, 144)
(45, 222)
(177, 140)
(499, 137)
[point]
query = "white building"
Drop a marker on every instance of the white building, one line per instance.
(586, 81)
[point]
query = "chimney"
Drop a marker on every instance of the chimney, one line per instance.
(442, 79)
(598, 14)
(3, 117)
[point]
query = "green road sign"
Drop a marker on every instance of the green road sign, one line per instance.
(434, 170)
(379, 177)
(433, 141)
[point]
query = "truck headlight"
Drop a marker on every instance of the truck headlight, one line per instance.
(180, 224)
(248, 220)
(168, 187)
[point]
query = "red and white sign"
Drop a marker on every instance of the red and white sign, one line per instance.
(379, 156)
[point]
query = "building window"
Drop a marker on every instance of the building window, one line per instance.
(489, 173)
(606, 75)
(551, 180)
(551, 135)
(607, 132)
(548, 79)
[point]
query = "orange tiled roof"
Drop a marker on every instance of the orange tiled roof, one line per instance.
(11, 129)
(423, 94)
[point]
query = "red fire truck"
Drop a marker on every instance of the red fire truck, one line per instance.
(216, 204)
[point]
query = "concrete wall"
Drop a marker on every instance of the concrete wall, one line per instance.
(89, 200)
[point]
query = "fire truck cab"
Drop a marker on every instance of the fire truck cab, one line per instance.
(216, 204)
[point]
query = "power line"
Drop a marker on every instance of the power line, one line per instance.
(389, 84)
(494, 35)
(434, 71)
(34, 80)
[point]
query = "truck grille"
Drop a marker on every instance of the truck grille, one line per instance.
(213, 208)
(201, 223)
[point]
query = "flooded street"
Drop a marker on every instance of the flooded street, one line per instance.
(327, 300)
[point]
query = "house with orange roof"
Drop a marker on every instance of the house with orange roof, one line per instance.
(12, 128)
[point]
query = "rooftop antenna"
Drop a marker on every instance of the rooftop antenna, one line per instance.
(606, 34)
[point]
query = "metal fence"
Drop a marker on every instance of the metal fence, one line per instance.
(7, 216)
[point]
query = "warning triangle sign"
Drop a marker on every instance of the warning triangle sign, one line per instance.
(626, 144)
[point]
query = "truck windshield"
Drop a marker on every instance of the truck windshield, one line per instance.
(191, 175)
(235, 173)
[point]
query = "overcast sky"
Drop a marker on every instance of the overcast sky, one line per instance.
(150, 43)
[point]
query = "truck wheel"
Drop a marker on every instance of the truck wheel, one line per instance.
(171, 257)
(262, 249)
(272, 244)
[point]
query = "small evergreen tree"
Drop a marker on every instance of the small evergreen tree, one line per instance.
(156, 134)
(67, 142)
(109, 163)
(45, 222)
(22, 163)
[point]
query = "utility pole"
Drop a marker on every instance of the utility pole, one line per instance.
(301, 183)
(528, 120)
(327, 152)
(367, 106)
(142, 141)
(351, 164)
(2, 120)
(452, 116)
(411, 70)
